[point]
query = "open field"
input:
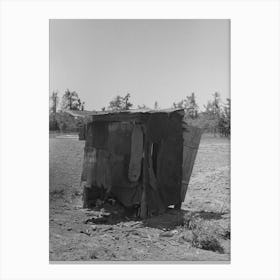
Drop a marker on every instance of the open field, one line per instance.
(200, 232)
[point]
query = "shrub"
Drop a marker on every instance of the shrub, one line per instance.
(204, 235)
(65, 122)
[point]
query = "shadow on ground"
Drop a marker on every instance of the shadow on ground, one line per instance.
(112, 215)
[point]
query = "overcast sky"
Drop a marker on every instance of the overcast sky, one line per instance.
(153, 60)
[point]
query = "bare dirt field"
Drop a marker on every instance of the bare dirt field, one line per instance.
(199, 232)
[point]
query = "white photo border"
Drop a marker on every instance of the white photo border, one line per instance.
(255, 154)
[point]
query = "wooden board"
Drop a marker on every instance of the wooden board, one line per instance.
(136, 154)
(191, 137)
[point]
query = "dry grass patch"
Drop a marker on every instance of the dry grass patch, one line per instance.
(205, 234)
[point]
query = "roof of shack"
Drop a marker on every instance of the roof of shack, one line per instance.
(122, 115)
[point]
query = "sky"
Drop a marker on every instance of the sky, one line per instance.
(153, 60)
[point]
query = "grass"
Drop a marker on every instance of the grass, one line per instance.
(204, 234)
(57, 193)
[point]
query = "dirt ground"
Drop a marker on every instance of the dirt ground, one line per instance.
(199, 232)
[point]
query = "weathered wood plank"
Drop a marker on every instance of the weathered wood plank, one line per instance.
(136, 154)
(143, 207)
(191, 137)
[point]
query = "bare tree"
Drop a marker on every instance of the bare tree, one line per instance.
(54, 100)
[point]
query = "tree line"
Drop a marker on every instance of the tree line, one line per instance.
(58, 118)
(214, 117)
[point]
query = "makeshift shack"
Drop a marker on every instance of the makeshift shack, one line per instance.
(142, 158)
